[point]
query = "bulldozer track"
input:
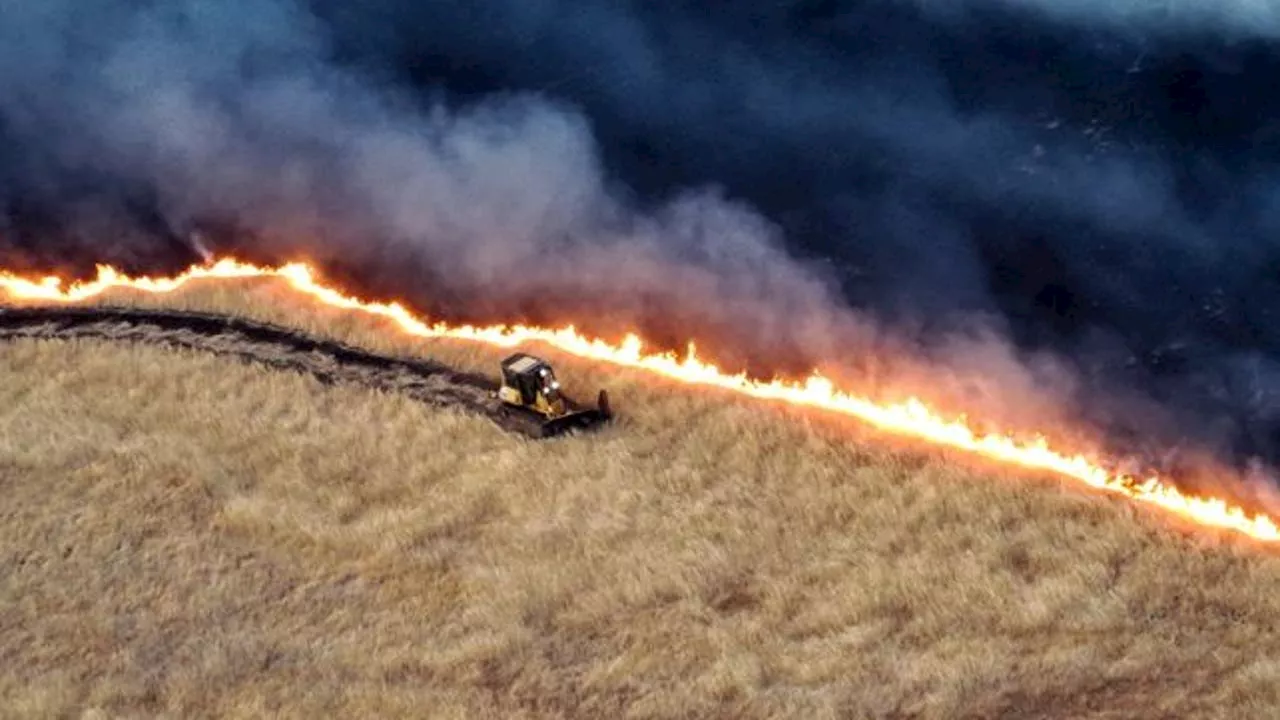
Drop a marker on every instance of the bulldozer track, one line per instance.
(273, 346)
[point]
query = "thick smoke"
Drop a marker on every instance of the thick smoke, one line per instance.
(1033, 210)
(1104, 189)
(231, 116)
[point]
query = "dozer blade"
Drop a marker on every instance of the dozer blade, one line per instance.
(579, 419)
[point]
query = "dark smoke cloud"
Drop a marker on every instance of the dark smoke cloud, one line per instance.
(1103, 185)
(1077, 211)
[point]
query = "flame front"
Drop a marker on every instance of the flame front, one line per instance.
(910, 418)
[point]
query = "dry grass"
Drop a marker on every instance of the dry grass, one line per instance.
(185, 536)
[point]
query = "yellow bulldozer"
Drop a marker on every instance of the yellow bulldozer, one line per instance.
(530, 386)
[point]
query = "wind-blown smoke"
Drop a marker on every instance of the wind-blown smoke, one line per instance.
(738, 175)
(1107, 191)
(229, 114)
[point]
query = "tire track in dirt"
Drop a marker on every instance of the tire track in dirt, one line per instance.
(273, 346)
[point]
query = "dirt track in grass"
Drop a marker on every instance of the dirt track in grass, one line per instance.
(272, 346)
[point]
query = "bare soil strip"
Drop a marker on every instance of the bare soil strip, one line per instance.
(274, 346)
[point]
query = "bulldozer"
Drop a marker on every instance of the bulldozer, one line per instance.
(529, 385)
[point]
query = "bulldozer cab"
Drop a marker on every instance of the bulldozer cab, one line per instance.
(529, 383)
(531, 377)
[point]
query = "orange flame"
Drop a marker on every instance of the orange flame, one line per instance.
(910, 418)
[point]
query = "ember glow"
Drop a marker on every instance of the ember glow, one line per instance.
(911, 418)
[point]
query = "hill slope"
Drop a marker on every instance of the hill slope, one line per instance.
(184, 534)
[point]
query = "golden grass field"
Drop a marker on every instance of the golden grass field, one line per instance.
(186, 536)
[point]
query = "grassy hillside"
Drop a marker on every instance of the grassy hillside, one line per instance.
(185, 536)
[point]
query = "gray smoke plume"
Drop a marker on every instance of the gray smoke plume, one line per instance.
(232, 111)
(232, 114)
(1103, 188)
